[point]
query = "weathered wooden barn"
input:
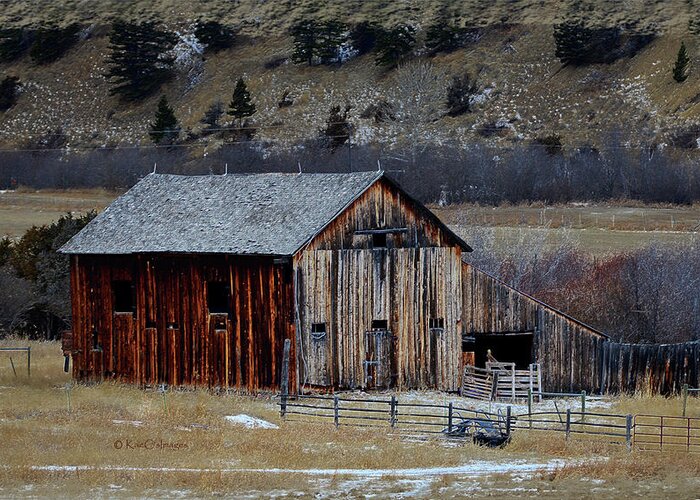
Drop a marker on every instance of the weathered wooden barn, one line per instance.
(200, 280)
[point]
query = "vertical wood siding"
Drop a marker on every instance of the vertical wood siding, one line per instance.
(171, 337)
(348, 289)
(574, 356)
(382, 207)
(569, 352)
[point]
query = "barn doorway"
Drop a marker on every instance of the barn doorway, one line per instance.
(505, 347)
(378, 356)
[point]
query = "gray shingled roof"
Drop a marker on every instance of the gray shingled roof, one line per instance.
(256, 214)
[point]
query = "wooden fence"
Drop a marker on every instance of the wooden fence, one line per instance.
(642, 432)
(501, 382)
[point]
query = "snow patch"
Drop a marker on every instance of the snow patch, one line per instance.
(250, 422)
(135, 423)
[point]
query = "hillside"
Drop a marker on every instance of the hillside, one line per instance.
(525, 91)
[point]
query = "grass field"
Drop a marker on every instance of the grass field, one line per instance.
(598, 229)
(51, 449)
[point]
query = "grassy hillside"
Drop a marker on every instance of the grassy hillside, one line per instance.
(528, 93)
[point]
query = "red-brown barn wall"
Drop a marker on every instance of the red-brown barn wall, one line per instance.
(171, 337)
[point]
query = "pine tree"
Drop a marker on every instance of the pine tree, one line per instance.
(441, 36)
(13, 43)
(305, 35)
(680, 70)
(213, 115)
(241, 105)
(214, 35)
(338, 129)
(571, 39)
(165, 129)
(139, 59)
(364, 37)
(460, 93)
(52, 42)
(8, 92)
(331, 37)
(394, 44)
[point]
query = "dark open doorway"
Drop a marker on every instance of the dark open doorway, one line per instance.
(505, 347)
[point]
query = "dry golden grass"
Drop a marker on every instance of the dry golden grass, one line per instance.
(37, 429)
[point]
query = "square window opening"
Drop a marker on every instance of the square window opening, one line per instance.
(123, 299)
(218, 297)
(380, 324)
(436, 323)
(379, 240)
(318, 331)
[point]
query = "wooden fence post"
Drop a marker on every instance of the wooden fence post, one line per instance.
(568, 422)
(284, 382)
(449, 418)
(583, 406)
(529, 406)
(392, 411)
(494, 386)
(685, 398)
(508, 412)
(628, 432)
(29, 361)
(336, 412)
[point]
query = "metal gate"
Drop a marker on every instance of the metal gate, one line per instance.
(663, 432)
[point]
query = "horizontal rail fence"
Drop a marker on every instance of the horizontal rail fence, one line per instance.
(643, 432)
(501, 382)
(420, 418)
(615, 428)
(662, 432)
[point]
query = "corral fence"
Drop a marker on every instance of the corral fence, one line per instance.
(27, 350)
(643, 432)
(404, 416)
(659, 432)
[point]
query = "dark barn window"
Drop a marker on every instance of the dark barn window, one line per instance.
(123, 297)
(379, 240)
(436, 323)
(218, 297)
(318, 331)
(379, 324)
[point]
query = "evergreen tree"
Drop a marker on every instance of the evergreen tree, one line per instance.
(338, 129)
(213, 115)
(13, 43)
(460, 93)
(364, 37)
(680, 69)
(8, 92)
(441, 36)
(331, 36)
(317, 41)
(165, 129)
(139, 59)
(241, 105)
(52, 42)
(394, 44)
(214, 35)
(305, 35)
(571, 39)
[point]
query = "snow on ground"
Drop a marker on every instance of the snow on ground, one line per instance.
(471, 468)
(135, 423)
(519, 407)
(250, 422)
